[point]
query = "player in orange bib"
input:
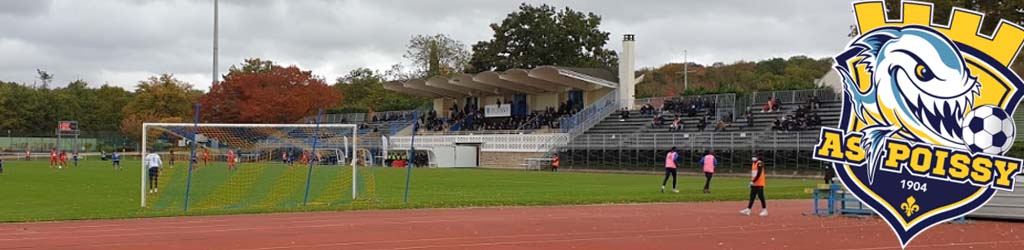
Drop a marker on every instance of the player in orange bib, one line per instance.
(555, 162)
(757, 173)
(231, 160)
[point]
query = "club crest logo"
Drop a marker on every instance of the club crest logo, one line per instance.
(927, 115)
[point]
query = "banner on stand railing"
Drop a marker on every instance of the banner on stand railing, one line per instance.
(495, 110)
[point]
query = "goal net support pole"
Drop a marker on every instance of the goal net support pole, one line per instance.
(316, 157)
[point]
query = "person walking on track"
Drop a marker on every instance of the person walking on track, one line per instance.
(710, 162)
(670, 169)
(757, 173)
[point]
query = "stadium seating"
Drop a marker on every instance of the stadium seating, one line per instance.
(632, 143)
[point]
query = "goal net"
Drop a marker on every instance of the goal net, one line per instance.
(239, 166)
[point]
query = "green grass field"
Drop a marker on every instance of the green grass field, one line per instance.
(31, 191)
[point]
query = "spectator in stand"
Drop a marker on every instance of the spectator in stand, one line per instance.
(693, 109)
(624, 114)
(771, 106)
(656, 121)
(777, 125)
(789, 123)
(750, 119)
(677, 124)
(703, 123)
(711, 108)
(720, 125)
(813, 102)
(814, 120)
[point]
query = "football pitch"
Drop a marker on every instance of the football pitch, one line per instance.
(32, 191)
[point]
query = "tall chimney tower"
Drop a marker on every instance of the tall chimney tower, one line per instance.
(627, 79)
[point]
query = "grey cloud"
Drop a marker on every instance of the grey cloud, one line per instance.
(23, 8)
(122, 42)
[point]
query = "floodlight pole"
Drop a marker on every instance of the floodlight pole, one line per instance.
(215, 37)
(686, 72)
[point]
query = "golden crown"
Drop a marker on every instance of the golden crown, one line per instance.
(964, 27)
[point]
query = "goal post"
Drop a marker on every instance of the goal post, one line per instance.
(251, 165)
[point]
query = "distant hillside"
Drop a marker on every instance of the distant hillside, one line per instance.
(798, 72)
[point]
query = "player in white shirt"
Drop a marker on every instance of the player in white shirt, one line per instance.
(153, 164)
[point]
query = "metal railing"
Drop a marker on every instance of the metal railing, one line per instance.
(591, 115)
(394, 115)
(530, 143)
(17, 141)
(794, 96)
(484, 132)
(342, 118)
(788, 150)
(723, 103)
(365, 117)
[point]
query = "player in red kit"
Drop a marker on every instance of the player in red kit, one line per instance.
(231, 160)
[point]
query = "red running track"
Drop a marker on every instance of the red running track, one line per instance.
(712, 225)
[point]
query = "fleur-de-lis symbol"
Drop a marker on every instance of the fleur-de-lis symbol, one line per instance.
(910, 206)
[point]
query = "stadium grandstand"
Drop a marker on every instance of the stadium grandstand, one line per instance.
(589, 118)
(520, 118)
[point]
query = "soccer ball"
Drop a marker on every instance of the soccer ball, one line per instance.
(988, 129)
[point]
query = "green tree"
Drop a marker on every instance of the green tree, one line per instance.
(536, 36)
(436, 55)
(994, 10)
(24, 109)
(109, 107)
(158, 98)
(252, 66)
(798, 72)
(365, 91)
(35, 111)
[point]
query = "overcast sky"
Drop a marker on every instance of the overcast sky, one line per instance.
(121, 42)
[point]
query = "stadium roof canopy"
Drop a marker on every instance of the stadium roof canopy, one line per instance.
(543, 79)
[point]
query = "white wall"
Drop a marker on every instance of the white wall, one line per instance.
(454, 156)
(543, 101)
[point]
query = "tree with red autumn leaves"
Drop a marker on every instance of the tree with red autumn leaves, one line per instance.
(263, 92)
